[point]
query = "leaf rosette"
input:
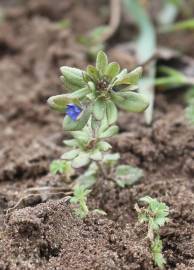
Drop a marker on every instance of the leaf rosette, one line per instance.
(98, 92)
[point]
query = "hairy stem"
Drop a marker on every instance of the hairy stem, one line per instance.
(102, 169)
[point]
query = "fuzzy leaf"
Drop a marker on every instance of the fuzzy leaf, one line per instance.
(112, 70)
(127, 175)
(73, 76)
(99, 109)
(104, 146)
(120, 76)
(71, 143)
(60, 102)
(81, 160)
(81, 93)
(93, 72)
(101, 62)
(131, 78)
(81, 136)
(131, 102)
(59, 166)
(111, 159)
(70, 155)
(68, 85)
(96, 155)
(88, 178)
(109, 132)
(111, 112)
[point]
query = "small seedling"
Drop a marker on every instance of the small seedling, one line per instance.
(91, 111)
(79, 199)
(155, 215)
(61, 167)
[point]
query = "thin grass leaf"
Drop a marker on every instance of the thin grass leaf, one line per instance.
(146, 46)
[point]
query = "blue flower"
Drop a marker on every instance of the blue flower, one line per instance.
(73, 111)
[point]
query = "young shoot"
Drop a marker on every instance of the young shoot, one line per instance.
(79, 199)
(155, 215)
(91, 109)
(61, 167)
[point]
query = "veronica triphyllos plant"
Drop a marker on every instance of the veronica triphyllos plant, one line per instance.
(90, 109)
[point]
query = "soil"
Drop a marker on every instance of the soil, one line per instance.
(42, 232)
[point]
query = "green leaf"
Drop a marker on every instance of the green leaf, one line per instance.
(60, 102)
(69, 86)
(103, 125)
(70, 125)
(73, 75)
(101, 62)
(131, 78)
(126, 175)
(88, 178)
(71, 143)
(81, 93)
(158, 210)
(111, 112)
(96, 155)
(112, 70)
(70, 155)
(58, 166)
(81, 136)
(81, 160)
(93, 72)
(111, 159)
(109, 132)
(99, 108)
(120, 76)
(131, 102)
(104, 146)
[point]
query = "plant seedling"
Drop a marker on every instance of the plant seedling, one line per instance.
(91, 111)
(79, 199)
(155, 215)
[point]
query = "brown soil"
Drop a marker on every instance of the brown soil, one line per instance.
(43, 232)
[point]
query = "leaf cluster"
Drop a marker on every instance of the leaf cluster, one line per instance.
(86, 148)
(61, 167)
(99, 91)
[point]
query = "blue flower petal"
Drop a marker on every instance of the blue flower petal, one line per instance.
(73, 111)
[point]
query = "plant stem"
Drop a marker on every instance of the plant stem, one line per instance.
(102, 170)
